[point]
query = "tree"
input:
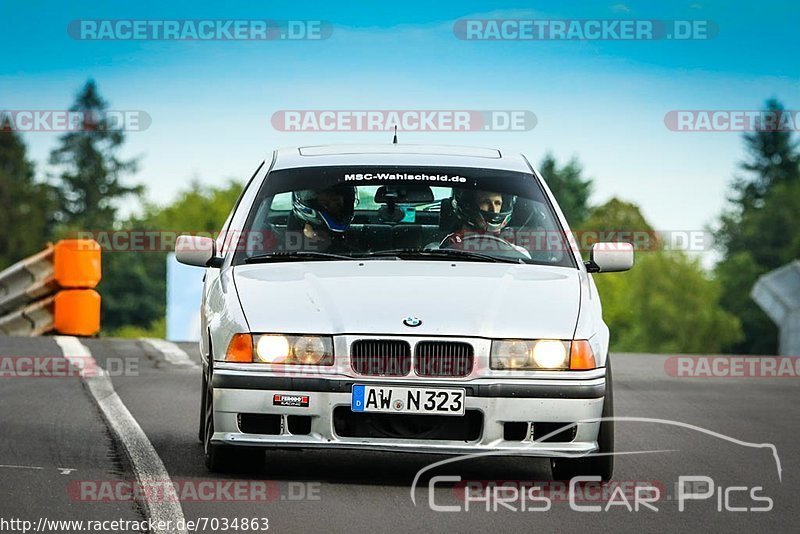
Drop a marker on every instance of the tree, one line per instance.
(26, 206)
(666, 303)
(760, 230)
(618, 216)
(134, 283)
(773, 161)
(617, 220)
(569, 187)
(91, 172)
(198, 208)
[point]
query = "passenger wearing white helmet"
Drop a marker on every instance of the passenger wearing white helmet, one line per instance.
(483, 215)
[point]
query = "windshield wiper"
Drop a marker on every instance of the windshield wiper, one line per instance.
(295, 255)
(443, 253)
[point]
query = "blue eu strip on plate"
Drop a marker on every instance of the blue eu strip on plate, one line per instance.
(357, 403)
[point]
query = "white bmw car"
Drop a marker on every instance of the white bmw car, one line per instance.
(403, 298)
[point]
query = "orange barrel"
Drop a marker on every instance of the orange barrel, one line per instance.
(77, 263)
(76, 312)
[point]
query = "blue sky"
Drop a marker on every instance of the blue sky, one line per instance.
(604, 102)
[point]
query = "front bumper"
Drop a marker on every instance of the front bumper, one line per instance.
(529, 400)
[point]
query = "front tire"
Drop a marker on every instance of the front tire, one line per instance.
(599, 465)
(224, 458)
(201, 430)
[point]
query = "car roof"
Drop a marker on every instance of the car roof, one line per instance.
(399, 154)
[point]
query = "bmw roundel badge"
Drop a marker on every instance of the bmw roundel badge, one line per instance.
(412, 321)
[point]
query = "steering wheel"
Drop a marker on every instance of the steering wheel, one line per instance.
(487, 243)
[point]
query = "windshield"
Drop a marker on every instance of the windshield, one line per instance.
(341, 213)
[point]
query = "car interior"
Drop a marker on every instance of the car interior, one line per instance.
(395, 217)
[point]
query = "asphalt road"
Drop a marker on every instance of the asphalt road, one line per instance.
(61, 459)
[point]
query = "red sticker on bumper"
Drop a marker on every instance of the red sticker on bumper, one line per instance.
(290, 400)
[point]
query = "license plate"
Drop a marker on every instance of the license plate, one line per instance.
(390, 399)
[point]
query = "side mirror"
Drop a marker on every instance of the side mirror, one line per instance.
(610, 257)
(199, 251)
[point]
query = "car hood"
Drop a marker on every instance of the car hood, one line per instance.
(373, 297)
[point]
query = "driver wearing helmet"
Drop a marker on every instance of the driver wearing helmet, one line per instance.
(482, 216)
(325, 215)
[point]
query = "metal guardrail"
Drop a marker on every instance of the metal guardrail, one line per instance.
(53, 290)
(27, 280)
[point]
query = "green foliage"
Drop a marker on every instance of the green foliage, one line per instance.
(569, 187)
(91, 173)
(768, 231)
(617, 220)
(760, 230)
(773, 161)
(666, 303)
(617, 216)
(134, 283)
(158, 329)
(737, 274)
(133, 287)
(198, 208)
(27, 207)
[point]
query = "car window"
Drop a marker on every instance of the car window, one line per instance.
(497, 214)
(234, 225)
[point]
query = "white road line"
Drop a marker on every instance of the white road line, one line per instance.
(21, 467)
(147, 466)
(172, 352)
(62, 470)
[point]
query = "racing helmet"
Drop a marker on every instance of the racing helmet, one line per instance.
(330, 209)
(466, 206)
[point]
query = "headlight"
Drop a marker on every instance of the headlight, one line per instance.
(294, 350)
(311, 350)
(273, 349)
(511, 354)
(523, 354)
(551, 354)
